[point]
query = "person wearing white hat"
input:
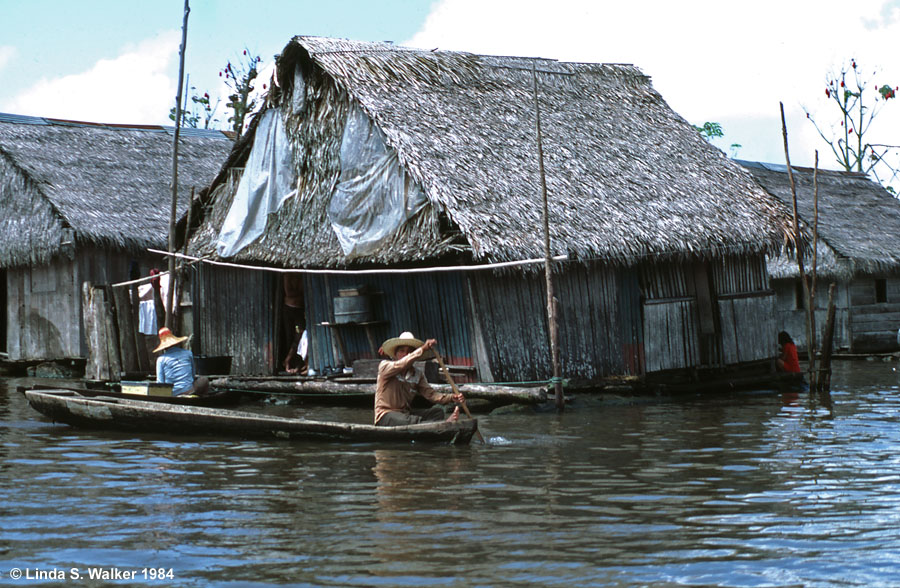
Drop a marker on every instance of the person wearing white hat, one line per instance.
(399, 381)
(175, 366)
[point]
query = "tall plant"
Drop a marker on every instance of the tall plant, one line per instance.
(858, 107)
(239, 77)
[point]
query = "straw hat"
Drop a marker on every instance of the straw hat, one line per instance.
(405, 339)
(167, 339)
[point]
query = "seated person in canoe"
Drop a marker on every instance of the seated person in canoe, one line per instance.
(399, 381)
(175, 366)
(787, 359)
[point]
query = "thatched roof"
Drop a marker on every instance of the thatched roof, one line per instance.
(858, 219)
(107, 185)
(627, 177)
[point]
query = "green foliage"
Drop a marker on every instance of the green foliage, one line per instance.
(710, 130)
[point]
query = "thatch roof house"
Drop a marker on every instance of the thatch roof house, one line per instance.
(82, 202)
(857, 219)
(664, 236)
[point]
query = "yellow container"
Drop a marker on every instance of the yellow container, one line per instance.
(146, 388)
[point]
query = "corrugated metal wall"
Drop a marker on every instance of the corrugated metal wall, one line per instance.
(428, 305)
(235, 316)
(599, 315)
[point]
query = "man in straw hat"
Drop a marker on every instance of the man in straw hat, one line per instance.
(175, 366)
(399, 381)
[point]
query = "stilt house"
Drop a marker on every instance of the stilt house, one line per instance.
(857, 250)
(389, 159)
(82, 202)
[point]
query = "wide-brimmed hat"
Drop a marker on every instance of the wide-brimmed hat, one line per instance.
(405, 339)
(167, 339)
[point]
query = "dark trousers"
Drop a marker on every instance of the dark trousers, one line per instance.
(416, 415)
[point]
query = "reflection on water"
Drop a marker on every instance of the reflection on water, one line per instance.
(748, 489)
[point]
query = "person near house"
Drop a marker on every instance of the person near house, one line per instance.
(151, 307)
(293, 322)
(297, 357)
(787, 360)
(175, 366)
(400, 381)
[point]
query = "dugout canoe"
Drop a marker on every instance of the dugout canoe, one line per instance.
(127, 414)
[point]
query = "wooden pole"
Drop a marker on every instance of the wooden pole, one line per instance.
(453, 387)
(798, 244)
(173, 210)
(827, 343)
(552, 325)
(179, 282)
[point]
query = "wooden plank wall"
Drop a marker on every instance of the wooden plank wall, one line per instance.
(44, 312)
(746, 309)
(236, 317)
(748, 328)
(874, 324)
(428, 305)
(671, 325)
(793, 320)
(44, 303)
(671, 334)
(742, 326)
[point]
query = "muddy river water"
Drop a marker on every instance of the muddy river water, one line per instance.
(719, 489)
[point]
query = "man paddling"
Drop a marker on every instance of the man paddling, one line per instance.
(399, 381)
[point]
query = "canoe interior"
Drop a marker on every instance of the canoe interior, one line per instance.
(217, 398)
(127, 414)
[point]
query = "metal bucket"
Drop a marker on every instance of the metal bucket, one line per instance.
(352, 309)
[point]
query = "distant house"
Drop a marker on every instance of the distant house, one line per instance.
(858, 250)
(82, 202)
(429, 158)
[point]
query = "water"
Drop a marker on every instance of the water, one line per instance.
(735, 489)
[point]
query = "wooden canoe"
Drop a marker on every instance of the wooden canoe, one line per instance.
(216, 398)
(127, 414)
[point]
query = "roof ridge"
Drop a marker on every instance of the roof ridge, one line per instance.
(10, 118)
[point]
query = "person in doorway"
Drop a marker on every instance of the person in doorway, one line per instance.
(175, 366)
(296, 362)
(293, 321)
(399, 381)
(787, 360)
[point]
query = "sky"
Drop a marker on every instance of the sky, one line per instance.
(116, 61)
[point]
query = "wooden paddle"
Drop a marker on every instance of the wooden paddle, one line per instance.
(450, 381)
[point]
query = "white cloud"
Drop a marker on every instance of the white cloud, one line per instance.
(136, 87)
(7, 54)
(711, 60)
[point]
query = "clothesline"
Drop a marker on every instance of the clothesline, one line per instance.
(419, 270)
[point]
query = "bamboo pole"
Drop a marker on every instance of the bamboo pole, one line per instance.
(173, 209)
(798, 243)
(553, 327)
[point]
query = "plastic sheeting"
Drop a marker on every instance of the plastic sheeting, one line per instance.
(374, 195)
(267, 182)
